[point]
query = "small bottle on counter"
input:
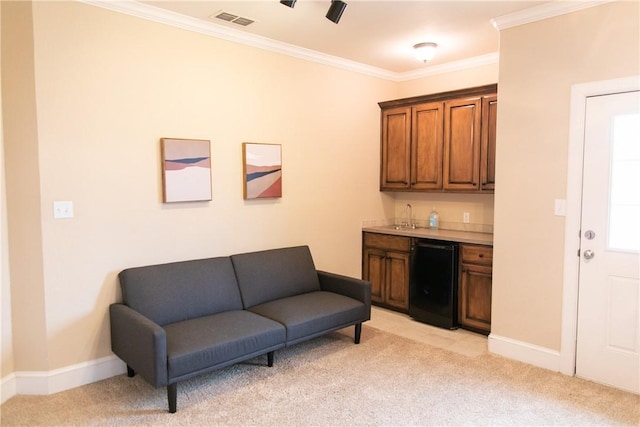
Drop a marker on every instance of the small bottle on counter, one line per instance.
(434, 219)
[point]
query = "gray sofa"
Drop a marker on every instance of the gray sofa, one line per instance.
(183, 319)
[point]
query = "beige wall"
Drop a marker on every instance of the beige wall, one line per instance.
(105, 88)
(461, 79)
(538, 64)
(88, 93)
(23, 188)
(451, 208)
(6, 323)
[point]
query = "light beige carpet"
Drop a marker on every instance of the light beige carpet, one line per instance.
(386, 380)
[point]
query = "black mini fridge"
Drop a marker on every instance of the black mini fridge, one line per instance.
(433, 290)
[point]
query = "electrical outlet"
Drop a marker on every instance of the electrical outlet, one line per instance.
(62, 210)
(465, 217)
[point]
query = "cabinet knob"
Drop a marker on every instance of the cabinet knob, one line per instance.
(480, 255)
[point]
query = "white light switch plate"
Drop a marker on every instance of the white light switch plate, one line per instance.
(63, 209)
(560, 207)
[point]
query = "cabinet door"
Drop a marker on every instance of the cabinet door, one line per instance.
(373, 270)
(396, 149)
(462, 144)
(426, 146)
(475, 297)
(397, 280)
(488, 146)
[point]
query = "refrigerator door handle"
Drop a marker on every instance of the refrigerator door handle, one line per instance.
(441, 247)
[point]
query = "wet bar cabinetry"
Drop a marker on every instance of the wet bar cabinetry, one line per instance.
(488, 143)
(440, 142)
(474, 295)
(385, 263)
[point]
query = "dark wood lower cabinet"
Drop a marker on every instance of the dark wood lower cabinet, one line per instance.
(474, 311)
(373, 270)
(385, 263)
(397, 280)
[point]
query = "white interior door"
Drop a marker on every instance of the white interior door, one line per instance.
(608, 336)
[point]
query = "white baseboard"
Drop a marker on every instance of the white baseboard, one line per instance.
(525, 352)
(8, 388)
(43, 383)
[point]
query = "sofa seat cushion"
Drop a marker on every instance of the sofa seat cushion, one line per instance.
(215, 341)
(313, 314)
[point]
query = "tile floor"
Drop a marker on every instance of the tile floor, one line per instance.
(460, 341)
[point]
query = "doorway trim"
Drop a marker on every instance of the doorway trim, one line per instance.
(579, 95)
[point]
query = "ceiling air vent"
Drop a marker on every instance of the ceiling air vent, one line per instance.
(230, 17)
(225, 16)
(243, 21)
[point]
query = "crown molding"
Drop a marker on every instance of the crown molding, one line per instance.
(543, 11)
(463, 64)
(163, 16)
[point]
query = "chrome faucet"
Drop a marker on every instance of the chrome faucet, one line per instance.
(409, 211)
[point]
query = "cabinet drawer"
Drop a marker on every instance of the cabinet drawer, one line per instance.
(477, 254)
(387, 242)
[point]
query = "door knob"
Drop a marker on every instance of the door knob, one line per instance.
(588, 254)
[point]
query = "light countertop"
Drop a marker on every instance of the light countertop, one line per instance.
(427, 233)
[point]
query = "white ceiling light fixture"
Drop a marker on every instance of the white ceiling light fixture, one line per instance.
(425, 51)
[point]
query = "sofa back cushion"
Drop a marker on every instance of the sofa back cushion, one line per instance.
(276, 273)
(169, 293)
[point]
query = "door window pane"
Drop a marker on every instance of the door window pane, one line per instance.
(624, 203)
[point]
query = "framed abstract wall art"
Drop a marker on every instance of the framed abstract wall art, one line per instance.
(186, 170)
(262, 170)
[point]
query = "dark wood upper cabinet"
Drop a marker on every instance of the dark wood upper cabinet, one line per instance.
(488, 145)
(462, 144)
(440, 142)
(395, 172)
(426, 146)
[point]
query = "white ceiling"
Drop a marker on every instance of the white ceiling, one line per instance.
(373, 35)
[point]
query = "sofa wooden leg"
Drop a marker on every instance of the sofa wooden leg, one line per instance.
(130, 372)
(358, 333)
(172, 395)
(270, 358)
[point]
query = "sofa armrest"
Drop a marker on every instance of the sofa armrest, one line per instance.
(140, 343)
(348, 286)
